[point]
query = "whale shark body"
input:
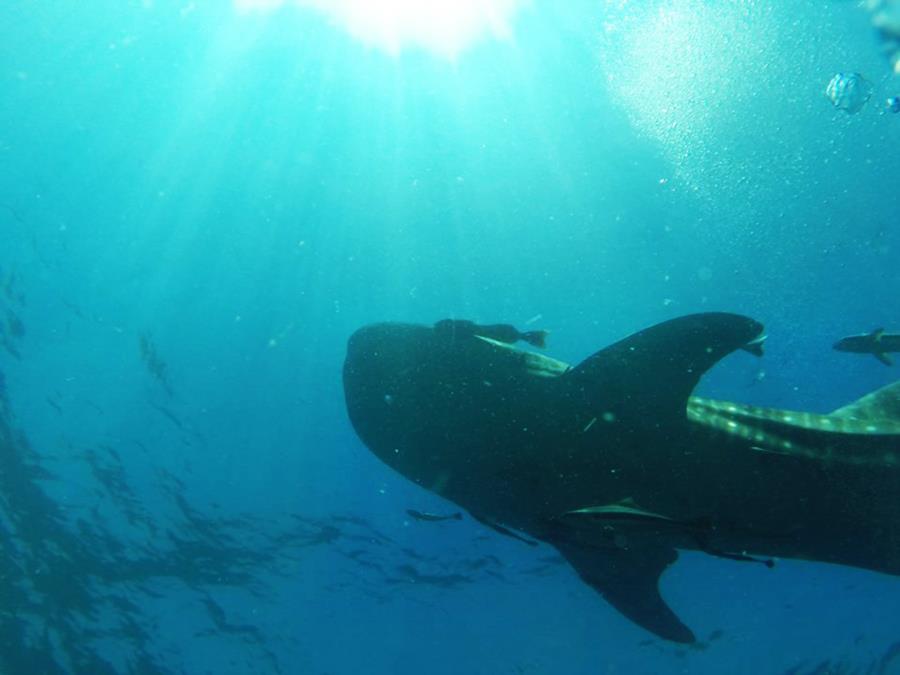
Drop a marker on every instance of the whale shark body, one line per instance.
(614, 462)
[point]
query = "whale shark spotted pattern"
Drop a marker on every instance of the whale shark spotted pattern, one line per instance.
(777, 430)
(617, 465)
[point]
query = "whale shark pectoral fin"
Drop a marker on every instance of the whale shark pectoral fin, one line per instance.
(884, 358)
(677, 352)
(629, 580)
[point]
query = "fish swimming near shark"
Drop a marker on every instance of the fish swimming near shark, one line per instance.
(502, 332)
(433, 517)
(877, 343)
(616, 464)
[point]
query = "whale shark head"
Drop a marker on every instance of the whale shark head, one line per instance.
(428, 404)
(386, 380)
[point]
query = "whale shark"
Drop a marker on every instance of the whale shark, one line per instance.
(617, 464)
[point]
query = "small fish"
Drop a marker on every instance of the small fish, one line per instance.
(877, 343)
(155, 365)
(502, 332)
(433, 517)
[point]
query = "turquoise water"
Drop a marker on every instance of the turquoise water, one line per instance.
(201, 202)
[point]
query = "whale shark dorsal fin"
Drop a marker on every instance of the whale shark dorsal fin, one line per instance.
(877, 334)
(659, 367)
(629, 580)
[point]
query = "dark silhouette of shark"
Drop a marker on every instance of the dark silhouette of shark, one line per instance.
(616, 465)
(877, 343)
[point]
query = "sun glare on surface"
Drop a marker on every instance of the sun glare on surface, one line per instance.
(444, 27)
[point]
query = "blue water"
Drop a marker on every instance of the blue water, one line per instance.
(199, 205)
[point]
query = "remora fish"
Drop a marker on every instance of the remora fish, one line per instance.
(432, 517)
(502, 332)
(877, 343)
(617, 466)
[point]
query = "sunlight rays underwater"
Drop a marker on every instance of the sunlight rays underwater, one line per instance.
(281, 105)
(288, 147)
(445, 27)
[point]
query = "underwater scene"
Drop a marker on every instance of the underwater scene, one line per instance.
(522, 337)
